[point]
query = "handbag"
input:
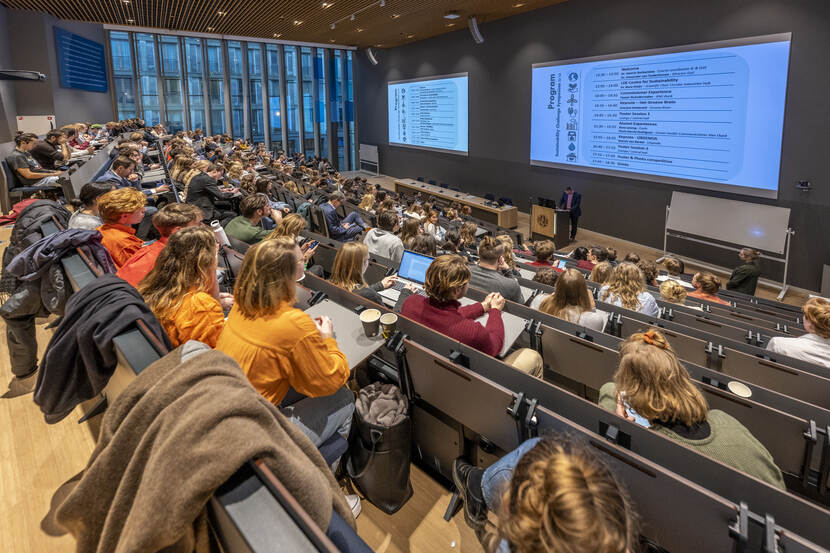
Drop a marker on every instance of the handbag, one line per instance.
(379, 456)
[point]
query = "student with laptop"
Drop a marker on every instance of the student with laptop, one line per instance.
(351, 262)
(411, 276)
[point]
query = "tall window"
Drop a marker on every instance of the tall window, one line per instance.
(308, 100)
(145, 53)
(320, 79)
(255, 92)
(171, 71)
(216, 86)
(237, 97)
(292, 104)
(350, 111)
(274, 115)
(336, 99)
(195, 83)
(122, 73)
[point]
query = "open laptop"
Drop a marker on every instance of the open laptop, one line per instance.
(412, 270)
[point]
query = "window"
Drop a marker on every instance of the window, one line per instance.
(320, 79)
(195, 83)
(145, 53)
(122, 73)
(172, 79)
(308, 101)
(274, 115)
(292, 103)
(336, 100)
(237, 95)
(255, 92)
(216, 86)
(350, 112)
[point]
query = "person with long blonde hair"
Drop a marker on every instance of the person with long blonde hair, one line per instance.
(350, 263)
(601, 272)
(280, 347)
(572, 302)
(367, 202)
(626, 287)
(181, 166)
(651, 383)
(551, 495)
(507, 254)
(182, 289)
(814, 346)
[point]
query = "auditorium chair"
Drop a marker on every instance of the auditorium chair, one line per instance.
(420, 179)
(10, 195)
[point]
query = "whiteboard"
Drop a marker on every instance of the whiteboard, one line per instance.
(741, 223)
(368, 153)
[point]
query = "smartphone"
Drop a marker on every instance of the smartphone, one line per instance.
(313, 244)
(642, 421)
(562, 264)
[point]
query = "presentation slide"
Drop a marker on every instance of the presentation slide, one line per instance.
(707, 115)
(429, 113)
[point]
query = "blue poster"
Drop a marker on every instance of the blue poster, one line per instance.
(82, 62)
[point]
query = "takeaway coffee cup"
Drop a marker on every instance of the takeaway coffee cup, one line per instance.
(388, 324)
(371, 322)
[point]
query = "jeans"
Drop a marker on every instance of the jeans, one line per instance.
(357, 223)
(320, 418)
(497, 477)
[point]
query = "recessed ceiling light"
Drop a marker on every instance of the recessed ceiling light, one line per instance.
(451, 15)
(131, 21)
(327, 5)
(331, 40)
(277, 35)
(126, 1)
(359, 30)
(298, 22)
(395, 15)
(410, 36)
(220, 13)
(450, 25)
(518, 4)
(210, 28)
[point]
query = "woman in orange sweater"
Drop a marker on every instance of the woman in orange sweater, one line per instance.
(182, 289)
(121, 209)
(280, 347)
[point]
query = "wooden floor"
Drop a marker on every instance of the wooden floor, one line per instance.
(35, 458)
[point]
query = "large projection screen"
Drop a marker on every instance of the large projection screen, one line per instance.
(705, 115)
(429, 113)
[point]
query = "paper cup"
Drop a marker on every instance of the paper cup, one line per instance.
(371, 322)
(739, 389)
(388, 324)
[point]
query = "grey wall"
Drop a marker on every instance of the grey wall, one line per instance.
(27, 41)
(499, 127)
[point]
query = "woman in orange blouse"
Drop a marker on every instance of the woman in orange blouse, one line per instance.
(706, 288)
(280, 347)
(182, 289)
(119, 210)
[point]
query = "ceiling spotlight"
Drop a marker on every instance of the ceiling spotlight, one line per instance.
(359, 30)
(518, 4)
(221, 13)
(277, 35)
(331, 40)
(126, 1)
(332, 26)
(451, 15)
(210, 28)
(410, 36)
(450, 25)
(131, 21)
(298, 22)
(352, 17)
(327, 5)
(395, 15)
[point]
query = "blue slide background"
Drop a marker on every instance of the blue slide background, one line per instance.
(429, 113)
(713, 115)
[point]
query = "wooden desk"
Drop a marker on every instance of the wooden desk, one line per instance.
(507, 216)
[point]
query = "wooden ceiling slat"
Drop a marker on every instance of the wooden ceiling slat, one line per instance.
(262, 18)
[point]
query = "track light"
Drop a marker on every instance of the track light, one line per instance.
(332, 26)
(352, 17)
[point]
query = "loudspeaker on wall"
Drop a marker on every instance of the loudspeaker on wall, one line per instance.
(472, 23)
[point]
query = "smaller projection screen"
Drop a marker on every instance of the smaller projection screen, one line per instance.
(429, 113)
(702, 115)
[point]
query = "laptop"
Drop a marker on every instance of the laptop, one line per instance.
(412, 270)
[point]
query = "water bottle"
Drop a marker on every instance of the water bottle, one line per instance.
(219, 234)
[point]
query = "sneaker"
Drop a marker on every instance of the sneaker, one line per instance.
(475, 509)
(354, 504)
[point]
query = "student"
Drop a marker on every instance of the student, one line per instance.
(745, 277)
(367, 203)
(280, 347)
(611, 254)
(168, 220)
(468, 234)
(432, 228)
(626, 288)
(425, 244)
(410, 229)
(382, 240)
(631, 257)
(291, 225)
(674, 267)
(86, 214)
(453, 244)
(706, 288)
(52, 152)
(651, 381)
(26, 170)
(350, 263)
(507, 253)
(543, 276)
(572, 302)
(543, 250)
(447, 280)
(487, 276)
(203, 192)
(182, 289)
(580, 254)
(120, 209)
(649, 270)
(673, 292)
(550, 494)
(246, 227)
(814, 346)
(601, 272)
(346, 229)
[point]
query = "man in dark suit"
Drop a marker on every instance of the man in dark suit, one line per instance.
(572, 202)
(204, 193)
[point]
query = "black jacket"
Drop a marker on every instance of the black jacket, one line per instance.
(80, 357)
(204, 192)
(744, 279)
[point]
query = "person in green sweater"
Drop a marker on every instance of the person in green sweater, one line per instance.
(653, 389)
(246, 227)
(745, 277)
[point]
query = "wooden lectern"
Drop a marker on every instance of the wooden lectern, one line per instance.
(547, 222)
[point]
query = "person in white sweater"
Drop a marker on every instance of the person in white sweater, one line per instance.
(814, 346)
(572, 302)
